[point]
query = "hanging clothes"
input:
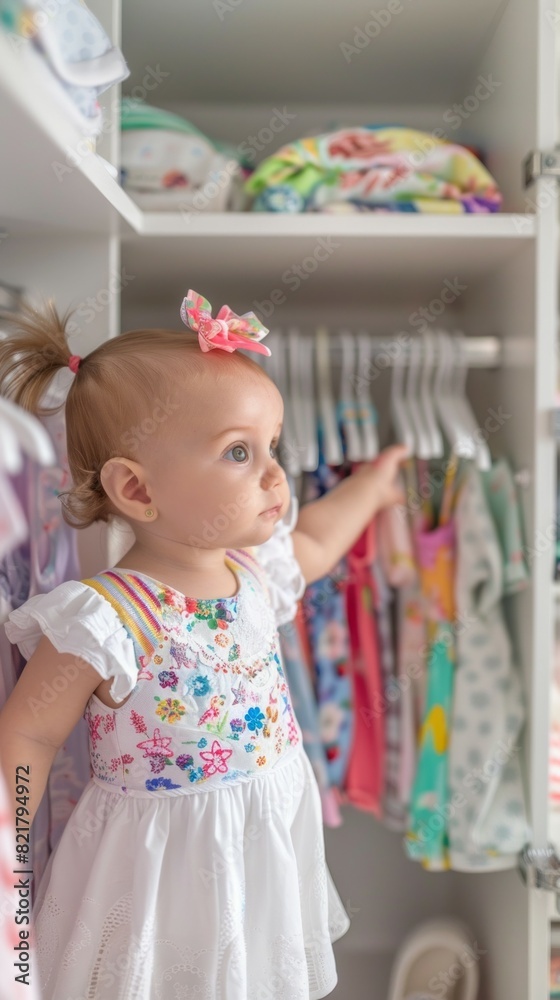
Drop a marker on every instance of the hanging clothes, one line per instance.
(328, 639)
(305, 708)
(398, 562)
(327, 631)
(412, 646)
(14, 893)
(364, 785)
(329, 794)
(554, 747)
(47, 558)
(427, 836)
(394, 544)
(488, 825)
(393, 811)
(501, 496)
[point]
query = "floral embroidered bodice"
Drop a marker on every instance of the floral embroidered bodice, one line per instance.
(210, 705)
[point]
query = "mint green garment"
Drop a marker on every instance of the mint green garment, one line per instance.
(488, 824)
(501, 496)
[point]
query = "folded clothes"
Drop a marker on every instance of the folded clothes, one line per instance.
(374, 167)
(168, 164)
(74, 47)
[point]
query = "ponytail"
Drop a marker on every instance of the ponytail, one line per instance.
(32, 354)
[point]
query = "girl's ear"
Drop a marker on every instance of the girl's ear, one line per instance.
(124, 482)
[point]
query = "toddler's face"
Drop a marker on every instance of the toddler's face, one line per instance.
(215, 476)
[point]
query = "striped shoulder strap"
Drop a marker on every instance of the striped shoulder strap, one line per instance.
(137, 605)
(244, 560)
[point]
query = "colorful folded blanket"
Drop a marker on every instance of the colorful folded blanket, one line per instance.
(374, 167)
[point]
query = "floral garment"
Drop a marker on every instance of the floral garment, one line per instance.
(211, 703)
(193, 864)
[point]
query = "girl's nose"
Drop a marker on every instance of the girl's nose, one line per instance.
(274, 475)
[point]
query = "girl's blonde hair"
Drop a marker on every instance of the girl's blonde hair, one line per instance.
(115, 388)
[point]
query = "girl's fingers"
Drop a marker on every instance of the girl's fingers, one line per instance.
(395, 453)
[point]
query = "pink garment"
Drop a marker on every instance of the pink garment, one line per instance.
(365, 774)
(396, 551)
(394, 543)
(554, 756)
(412, 658)
(397, 557)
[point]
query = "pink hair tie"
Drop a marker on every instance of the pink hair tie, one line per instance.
(74, 362)
(227, 331)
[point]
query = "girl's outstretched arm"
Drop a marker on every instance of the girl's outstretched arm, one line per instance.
(327, 528)
(46, 704)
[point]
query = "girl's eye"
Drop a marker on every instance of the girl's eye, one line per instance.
(239, 453)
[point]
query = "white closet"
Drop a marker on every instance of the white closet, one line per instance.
(229, 67)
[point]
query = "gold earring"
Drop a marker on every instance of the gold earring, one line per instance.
(149, 512)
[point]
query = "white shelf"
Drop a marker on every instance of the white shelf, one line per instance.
(37, 192)
(406, 225)
(383, 258)
(42, 188)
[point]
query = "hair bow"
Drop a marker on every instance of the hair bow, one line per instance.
(227, 331)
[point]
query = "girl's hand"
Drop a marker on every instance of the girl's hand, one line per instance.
(328, 527)
(384, 473)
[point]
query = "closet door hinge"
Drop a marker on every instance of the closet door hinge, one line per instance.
(540, 869)
(541, 163)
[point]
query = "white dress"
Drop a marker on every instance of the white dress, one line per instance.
(192, 867)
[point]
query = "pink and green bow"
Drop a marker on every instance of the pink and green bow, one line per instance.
(227, 331)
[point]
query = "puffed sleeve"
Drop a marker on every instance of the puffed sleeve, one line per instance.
(285, 579)
(77, 620)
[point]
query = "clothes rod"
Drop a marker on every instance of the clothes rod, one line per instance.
(475, 352)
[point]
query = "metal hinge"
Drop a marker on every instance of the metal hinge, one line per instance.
(541, 163)
(540, 869)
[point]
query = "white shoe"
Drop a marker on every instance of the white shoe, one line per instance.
(436, 962)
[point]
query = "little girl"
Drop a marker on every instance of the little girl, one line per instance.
(193, 864)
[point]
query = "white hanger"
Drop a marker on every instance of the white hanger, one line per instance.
(366, 407)
(458, 383)
(399, 412)
(310, 457)
(421, 432)
(10, 451)
(21, 431)
(277, 371)
(426, 397)
(332, 445)
(449, 413)
(347, 402)
(294, 400)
